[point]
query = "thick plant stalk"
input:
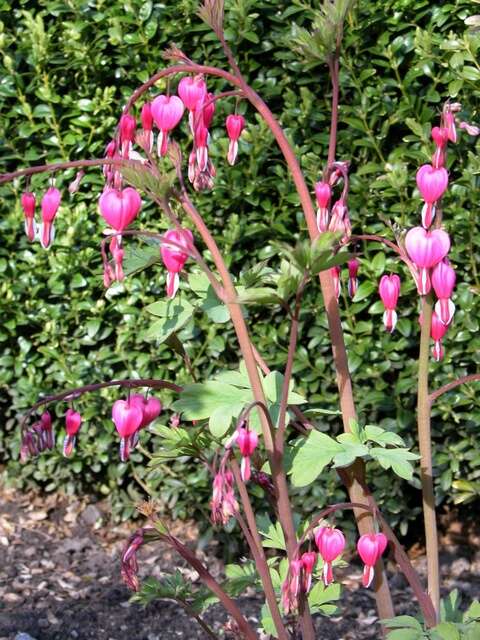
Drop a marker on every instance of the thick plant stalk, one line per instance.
(425, 446)
(259, 554)
(246, 347)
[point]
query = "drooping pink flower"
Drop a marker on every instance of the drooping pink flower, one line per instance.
(339, 219)
(437, 331)
(127, 419)
(471, 129)
(353, 266)
(440, 136)
(449, 123)
(146, 118)
(309, 560)
(47, 433)
(127, 127)
(201, 145)
(330, 543)
(370, 548)
(151, 409)
(426, 249)
(223, 504)
(247, 441)
(323, 193)
(295, 571)
(235, 125)
(337, 283)
(208, 109)
(120, 207)
(129, 566)
(28, 205)
(174, 257)
(192, 91)
(29, 445)
(432, 184)
(389, 290)
(443, 282)
(118, 255)
(50, 204)
(167, 112)
(73, 421)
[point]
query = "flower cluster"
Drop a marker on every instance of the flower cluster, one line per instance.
(38, 437)
(223, 504)
(330, 543)
(129, 417)
(427, 246)
(43, 231)
(132, 415)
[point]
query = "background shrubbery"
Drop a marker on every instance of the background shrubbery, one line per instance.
(68, 68)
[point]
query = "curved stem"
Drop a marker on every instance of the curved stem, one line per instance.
(210, 582)
(474, 377)
(73, 164)
(191, 612)
(88, 388)
(425, 446)
(292, 346)
(259, 553)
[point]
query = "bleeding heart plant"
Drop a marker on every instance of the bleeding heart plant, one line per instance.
(244, 425)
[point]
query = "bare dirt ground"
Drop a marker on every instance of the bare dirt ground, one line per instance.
(60, 579)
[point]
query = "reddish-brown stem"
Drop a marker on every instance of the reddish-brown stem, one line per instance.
(474, 377)
(292, 347)
(210, 582)
(259, 553)
(425, 447)
(58, 166)
(275, 458)
(333, 65)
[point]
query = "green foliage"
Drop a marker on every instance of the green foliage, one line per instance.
(318, 450)
(68, 68)
(455, 624)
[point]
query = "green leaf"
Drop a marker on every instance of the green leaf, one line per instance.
(407, 622)
(239, 577)
(273, 385)
(364, 291)
(174, 314)
(397, 459)
(473, 611)
(352, 449)
(321, 597)
(272, 533)
(404, 634)
(382, 437)
(267, 622)
(446, 631)
(258, 295)
(140, 257)
(199, 401)
(215, 309)
(312, 457)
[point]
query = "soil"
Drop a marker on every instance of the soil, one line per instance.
(60, 579)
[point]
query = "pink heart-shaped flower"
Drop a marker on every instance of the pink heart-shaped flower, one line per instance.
(427, 248)
(126, 417)
(167, 111)
(150, 408)
(119, 208)
(432, 183)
